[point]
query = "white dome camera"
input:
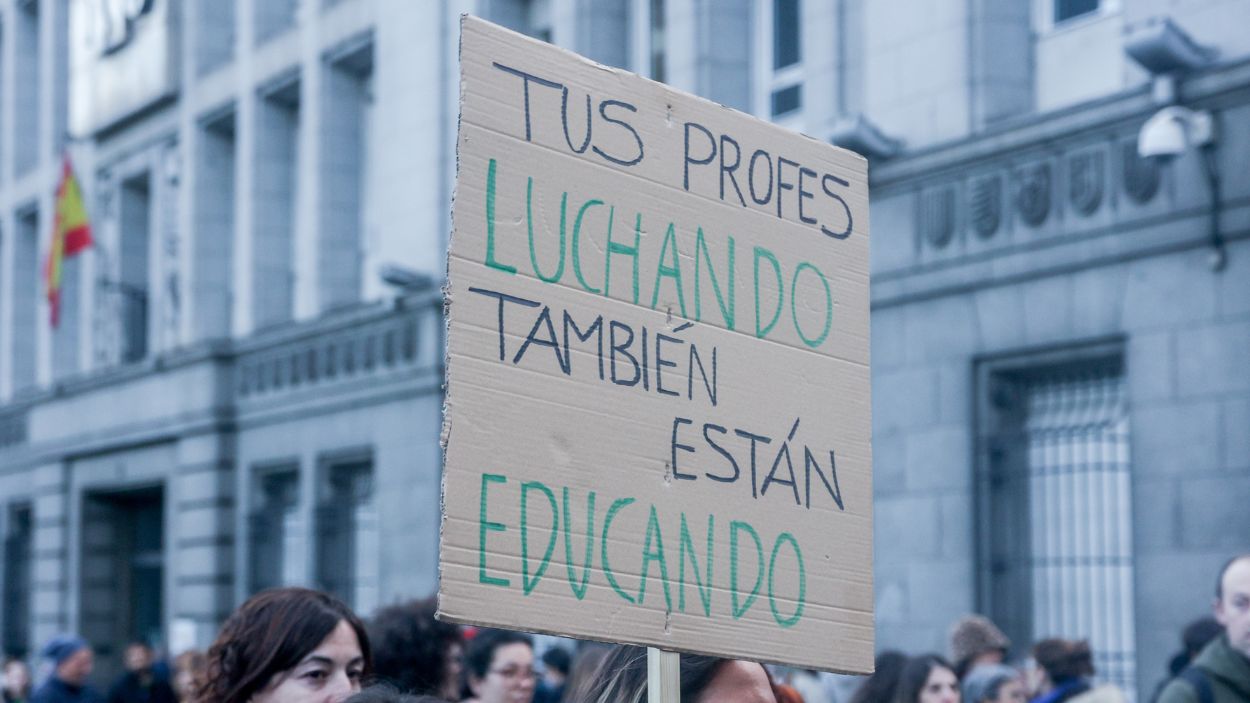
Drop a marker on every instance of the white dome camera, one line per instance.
(1172, 131)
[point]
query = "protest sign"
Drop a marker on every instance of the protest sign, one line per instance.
(657, 421)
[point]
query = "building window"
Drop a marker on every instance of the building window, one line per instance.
(1053, 14)
(786, 47)
(1071, 9)
(18, 538)
(531, 17)
(787, 100)
(27, 115)
(656, 42)
(131, 288)
(779, 58)
(347, 534)
(1055, 511)
(648, 31)
(274, 17)
(26, 291)
(347, 106)
(275, 182)
(276, 531)
(214, 32)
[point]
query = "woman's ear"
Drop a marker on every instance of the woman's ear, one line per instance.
(474, 684)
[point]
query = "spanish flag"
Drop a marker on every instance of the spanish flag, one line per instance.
(71, 234)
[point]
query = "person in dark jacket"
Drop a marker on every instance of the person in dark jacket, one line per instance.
(140, 684)
(73, 660)
(556, 665)
(1221, 673)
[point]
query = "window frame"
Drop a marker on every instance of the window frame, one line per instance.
(641, 46)
(257, 503)
(996, 373)
(768, 80)
(1044, 15)
(327, 464)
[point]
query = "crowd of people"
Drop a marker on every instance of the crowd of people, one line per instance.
(294, 645)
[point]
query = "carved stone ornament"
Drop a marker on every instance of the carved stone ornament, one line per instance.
(937, 215)
(1085, 180)
(1033, 193)
(985, 205)
(1141, 176)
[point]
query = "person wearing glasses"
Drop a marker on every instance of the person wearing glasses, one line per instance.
(500, 667)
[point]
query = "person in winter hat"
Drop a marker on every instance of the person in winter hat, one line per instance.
(72, 660)
(975, 640)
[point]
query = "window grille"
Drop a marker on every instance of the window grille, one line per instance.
(1056, 513)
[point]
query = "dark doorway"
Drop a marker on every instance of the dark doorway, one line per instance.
(123, 571)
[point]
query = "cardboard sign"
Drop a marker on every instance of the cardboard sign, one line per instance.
(657, 421)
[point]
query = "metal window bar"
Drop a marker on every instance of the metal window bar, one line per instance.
(1076, 430)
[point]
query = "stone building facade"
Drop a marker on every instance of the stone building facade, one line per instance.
(239, 395)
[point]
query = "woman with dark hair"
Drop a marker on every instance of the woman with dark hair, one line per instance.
(927, 678)
(879, 687)
(500, 666)
(622, 678)
(287, 645)
(416, 653)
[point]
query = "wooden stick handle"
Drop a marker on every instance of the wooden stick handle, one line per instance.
(663, 676)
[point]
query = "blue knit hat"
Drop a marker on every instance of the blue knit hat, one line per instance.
(63, 647)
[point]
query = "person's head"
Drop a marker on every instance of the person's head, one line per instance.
(556, 664)
(1062, 661)
(993, 683)
(188, 673)
(500, 666)
(72, 658)
(138, 657)
(879, 687)
(1232, 602)
(622, 678)
(976, 640)
(16, 678)
(287, 645)
(927, 679)
(414, 652)
(386, 693)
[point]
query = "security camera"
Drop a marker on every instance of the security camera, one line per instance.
(1173, 130)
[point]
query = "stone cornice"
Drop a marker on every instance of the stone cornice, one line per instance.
(1038, 130)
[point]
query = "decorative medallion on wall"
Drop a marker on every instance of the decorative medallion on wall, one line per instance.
(937, 213)
(1033, 193)
(1141, 176)
(1085, 179)
(985, 205)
